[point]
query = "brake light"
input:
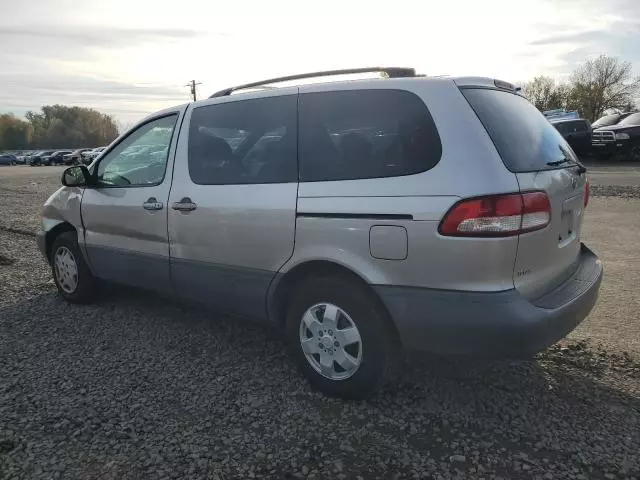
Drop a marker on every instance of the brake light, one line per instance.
(587, 192)
(497, 215)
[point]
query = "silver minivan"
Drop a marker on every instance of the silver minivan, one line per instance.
(360, 217)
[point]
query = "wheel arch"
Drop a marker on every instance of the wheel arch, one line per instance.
(284, 285)
(53, 233)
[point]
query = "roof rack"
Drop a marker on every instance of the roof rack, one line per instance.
(391, 72)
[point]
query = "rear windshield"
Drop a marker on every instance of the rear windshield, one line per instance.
(524, 138)
(574, 126)
(579, 126)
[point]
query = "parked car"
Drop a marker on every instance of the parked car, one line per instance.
(382, 219)
(75, 157)
(29, 156)
(56, 158)
(621, 140)
(20, 158)
(7, 159)
(91, 155)
(577, 133)
(608, 120)
(39, 158)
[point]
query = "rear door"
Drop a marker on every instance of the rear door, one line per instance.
(542, 160)
(232, 204)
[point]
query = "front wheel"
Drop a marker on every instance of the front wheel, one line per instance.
(340, 337)
(71, 274)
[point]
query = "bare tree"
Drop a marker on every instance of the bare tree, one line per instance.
(539, 91)
(546, 94)
(602, 83)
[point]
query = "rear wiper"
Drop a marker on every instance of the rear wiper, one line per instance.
(558, 162)
(581, 168)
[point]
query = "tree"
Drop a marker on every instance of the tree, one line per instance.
(542, 92)
(602, 83)
(59, 126)
(15, 134)
(546, 94)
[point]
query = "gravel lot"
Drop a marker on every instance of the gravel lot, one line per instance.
(138, 386)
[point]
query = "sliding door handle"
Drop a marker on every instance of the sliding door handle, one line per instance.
(152, 204)
(184, 205)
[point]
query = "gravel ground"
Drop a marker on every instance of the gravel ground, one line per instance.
(23, 191)
(137, 386)
(622, 191)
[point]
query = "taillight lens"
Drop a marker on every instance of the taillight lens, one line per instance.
(587, 192)
(497, 215)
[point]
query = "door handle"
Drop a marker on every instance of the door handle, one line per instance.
(152, 204)
(184, 205)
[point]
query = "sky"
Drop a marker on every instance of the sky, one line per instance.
(130, 58)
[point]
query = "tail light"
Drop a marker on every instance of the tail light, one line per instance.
(587, 192)
(497, 215)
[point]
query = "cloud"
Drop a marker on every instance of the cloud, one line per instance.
(618, 39)
(577, 37)
(127, 101)
(130, 57)
(74, 42)
(70, 64)
(92, 36)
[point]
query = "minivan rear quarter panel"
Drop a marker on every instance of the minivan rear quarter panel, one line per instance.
(469, 166)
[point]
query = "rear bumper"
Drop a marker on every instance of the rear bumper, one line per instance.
(495, 324)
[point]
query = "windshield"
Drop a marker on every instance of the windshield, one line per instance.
(631, 120)
(606, 121)
(524, 138)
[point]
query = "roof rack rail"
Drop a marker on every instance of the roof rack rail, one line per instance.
(391, 72)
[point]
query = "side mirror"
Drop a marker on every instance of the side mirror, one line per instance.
(76, 176)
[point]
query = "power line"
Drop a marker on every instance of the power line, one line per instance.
(192, 84)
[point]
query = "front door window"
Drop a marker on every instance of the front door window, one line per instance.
(141, 158)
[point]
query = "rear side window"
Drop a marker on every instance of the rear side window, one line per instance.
(248, 141)
(562, 128)
(579, 126)
(576, 126)
(524, 138)
(357, 134)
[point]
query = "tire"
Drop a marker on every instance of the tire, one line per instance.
(376, 353)
(85, 283)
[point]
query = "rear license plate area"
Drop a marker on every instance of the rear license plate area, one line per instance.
(567, 227)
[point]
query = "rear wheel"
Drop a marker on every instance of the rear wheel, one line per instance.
(340, 337)
(71, 274)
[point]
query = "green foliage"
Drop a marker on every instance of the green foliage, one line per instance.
(15, 134)
(57, 126)
(597, 85)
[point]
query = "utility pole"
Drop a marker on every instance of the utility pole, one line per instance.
(192, 84)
